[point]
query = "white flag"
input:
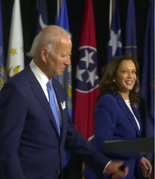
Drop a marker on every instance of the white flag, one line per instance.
(15, 58)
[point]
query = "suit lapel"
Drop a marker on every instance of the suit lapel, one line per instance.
(128, 113)
(60, 100)
(137, 116)
(36, 88)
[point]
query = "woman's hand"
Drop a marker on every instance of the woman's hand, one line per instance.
(146, 167)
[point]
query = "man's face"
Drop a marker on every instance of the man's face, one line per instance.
(59, 58)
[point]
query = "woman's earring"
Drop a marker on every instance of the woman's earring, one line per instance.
(113, 80)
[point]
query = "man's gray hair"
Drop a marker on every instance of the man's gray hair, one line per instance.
(47, 39)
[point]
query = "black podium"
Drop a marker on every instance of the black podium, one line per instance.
(141, 145)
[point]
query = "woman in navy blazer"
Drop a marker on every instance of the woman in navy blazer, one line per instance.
(115, 116)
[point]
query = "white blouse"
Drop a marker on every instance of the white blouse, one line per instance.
(127, 101)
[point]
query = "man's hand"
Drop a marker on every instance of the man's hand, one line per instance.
(113, 170)
(146, 167)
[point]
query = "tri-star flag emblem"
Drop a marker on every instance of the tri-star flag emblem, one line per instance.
(87, 70)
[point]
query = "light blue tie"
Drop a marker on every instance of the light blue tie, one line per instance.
(53, 104)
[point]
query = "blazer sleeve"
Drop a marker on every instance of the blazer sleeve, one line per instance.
(12, 117)
(105, 116)
(75, 143)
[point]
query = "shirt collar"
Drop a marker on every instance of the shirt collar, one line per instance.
(41, 77)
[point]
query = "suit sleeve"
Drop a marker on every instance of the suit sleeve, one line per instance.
(75, 143)
(12, 119)
(105, 117)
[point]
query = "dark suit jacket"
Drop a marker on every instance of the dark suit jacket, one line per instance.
(114, 121)
(30, 147)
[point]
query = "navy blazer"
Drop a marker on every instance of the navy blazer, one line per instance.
(114, 121)
(30, 146)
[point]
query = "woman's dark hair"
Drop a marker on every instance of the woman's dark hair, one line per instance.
(108, 86)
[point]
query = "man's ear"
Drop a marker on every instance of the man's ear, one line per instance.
(43, 54)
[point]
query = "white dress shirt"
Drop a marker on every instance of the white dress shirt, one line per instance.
(41, 77)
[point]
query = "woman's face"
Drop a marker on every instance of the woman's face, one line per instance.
(126, 76)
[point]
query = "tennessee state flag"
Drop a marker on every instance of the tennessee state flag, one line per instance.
(87, 89)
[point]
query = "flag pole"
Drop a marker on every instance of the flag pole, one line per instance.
(58, 10)
(110, 14)
(59, 4)
(111, 11)
(37, 4)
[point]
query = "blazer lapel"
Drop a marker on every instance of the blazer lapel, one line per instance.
(128, 113)
(137, 116)
(41, 96)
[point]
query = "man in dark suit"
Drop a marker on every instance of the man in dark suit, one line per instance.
(31, 139)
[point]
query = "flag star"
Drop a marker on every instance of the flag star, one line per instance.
(16, 69)
(87, 58)
(114, 41)
(79, 73)
(13, 51)
(92, 77)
